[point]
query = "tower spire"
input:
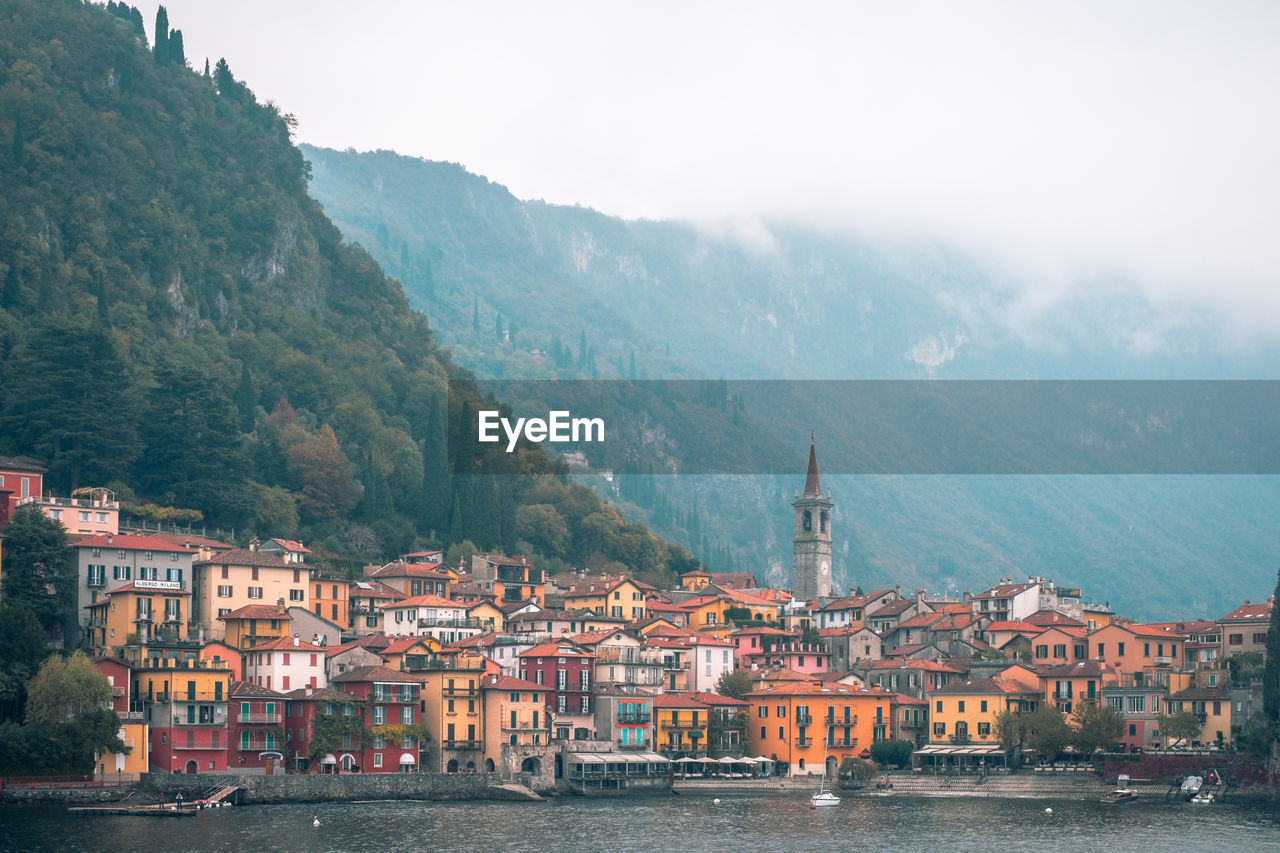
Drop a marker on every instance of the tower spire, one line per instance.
(811, 486)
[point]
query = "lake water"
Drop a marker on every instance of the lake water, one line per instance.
(752, 822)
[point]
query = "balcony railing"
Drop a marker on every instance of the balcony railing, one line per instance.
(843, 743)
(261, 718)
(396, 697)
(451, 623)
(804, 741)
(119, 691)
(257, 745)
(199, 746)
(461, 744)
(205, 721)
(841, 721)
(804, 719)
(675, 665)
(634, 717)
(464, 691)
(1163, 660)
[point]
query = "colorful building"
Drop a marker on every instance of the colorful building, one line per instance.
(257, 729)
(963, 715)
(395, 728)
(330, 598)
(516, 735)
(245, 577)
(254, 624)
(108, 562)
(186, 705)
(681, 725)
(285, 664)
(129, 614)
(1131, 648)
(508, 579)
(809, 727)
(566, 672)
(452, 710)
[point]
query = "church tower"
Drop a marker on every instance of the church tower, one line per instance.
(811, 574)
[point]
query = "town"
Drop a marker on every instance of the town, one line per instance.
(241, 658)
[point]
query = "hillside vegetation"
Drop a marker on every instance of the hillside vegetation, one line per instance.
(180, 321)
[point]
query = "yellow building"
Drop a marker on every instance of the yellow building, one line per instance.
(244, 577)
(620, 598)
(488, 613)
(138, 612)
(1211, 705)
(451, 710)
(681, 725)
(515, 723)
(125, 766)
(962, 718)
(394, 654)
(255, 624)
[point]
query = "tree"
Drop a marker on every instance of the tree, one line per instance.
(736, 684)
(40, 569)
(1048, 731)
(1271, 676)
(68, 717)
(1179, 726)
(162, 36)
(177, 54)
(1097, 727)
(328, 488)
(22, 647)
(896, 752)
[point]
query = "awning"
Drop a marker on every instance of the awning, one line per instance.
(728, 760)
(688, 760)
(653, 757)
(329, 759)
(586, 758)
(633, 758)
(407, 758)
(939, 749)
(763, 759)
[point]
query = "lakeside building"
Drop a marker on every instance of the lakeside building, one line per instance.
(243, 577)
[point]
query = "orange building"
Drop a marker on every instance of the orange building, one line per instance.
(1129, 648)
(255, 624)
(329, 598)
(809, 727)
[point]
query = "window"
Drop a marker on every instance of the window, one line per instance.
(939, 706)
(224, 591)
(297, 576)
(255, 573)
(1060, 650)
(379, 742)
(1235, 639)
(1260, 639)
(377, 759)
(984, 729)
(782, 711)
(961, 709)
(379, 715)
(984, 707)
(939, 729)
(255, 592)
(406, 715)
(1121, 649)
(296, 595)
(764, 711)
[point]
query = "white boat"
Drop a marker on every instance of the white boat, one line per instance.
(1203, 798)
(824, 797)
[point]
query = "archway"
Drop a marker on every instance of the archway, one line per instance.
(348, 763)
(831, 766)
(192, 766)
(559, 766)
(488, 765)
(452, 767)
(471, 767)
(532, 764)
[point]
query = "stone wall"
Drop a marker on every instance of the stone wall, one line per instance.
(322, 789)
(71, 795)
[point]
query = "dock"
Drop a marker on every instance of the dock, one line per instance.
(184, 809)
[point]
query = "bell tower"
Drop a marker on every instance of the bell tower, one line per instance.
(811, 572)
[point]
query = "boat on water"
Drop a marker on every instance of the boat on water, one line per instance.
(1121, 794)
(1203, 798)
(1191, 786)
(823, 798)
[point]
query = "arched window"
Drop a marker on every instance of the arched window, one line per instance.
(806, 521)
(822, 522)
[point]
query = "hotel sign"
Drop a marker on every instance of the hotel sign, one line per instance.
(176, 585)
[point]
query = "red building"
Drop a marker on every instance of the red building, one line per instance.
(394, 699)
(20, 477)
(565, 670)
(256, 727)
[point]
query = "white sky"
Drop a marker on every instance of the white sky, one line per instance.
(1054, 141)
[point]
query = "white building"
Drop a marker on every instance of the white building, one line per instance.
(431, 616)
(286, 664)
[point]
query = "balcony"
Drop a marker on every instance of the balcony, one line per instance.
(841, 721)
(451, 623)
(461, 744)
(204, 722)
(258, 745)
(468, 691)
(388, 698)
(119, 691)
(804, 719)
(178, 747)
(671, 665)
(261, 718)
(1163, 660)
(802, 742)
(840, 743)
(634, 717)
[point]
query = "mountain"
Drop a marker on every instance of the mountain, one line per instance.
(180, 322)
(523, 289)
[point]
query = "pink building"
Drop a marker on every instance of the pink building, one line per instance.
(804, 658)
(20, 477)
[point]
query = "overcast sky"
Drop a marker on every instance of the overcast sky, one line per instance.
(1058, 142)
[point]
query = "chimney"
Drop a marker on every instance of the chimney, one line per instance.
(111, 539)
(297, 641)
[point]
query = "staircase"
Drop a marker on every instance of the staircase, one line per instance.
(1003, 785)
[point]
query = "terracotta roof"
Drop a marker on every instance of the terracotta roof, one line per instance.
(555, 650)
(715, 700)
(129, 542)
(286, 644)
(427, 601)
(915, 663)
(904, 699)
(245, 557)
(1051, 618)
(400, 645)
(984, 686)
(892, 608)
(676, 700)
(736, 580)
(767, 631)
(815, 688)
(851, 601)
(590, 638)
(508, 682)
(410, 570)
(908, 649)
(920, 620)
(374, 673)
(1148, 631)
(1079, 669)
(953, 622)
(319, 694)
(1249, 612)
(256, 611)
(249, 690)
(373, 589)
(291, 546)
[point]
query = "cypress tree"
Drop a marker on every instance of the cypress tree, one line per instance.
(1271, 674)
(177, 55)
(207, 76)
(12, 286)
(19, 142)
(246, 399)
(162, 37)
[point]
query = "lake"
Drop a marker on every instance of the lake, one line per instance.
(689, 821)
